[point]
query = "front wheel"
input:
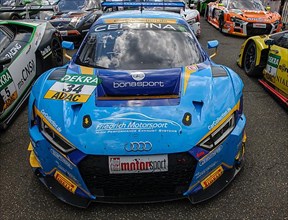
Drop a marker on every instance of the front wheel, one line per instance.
(57, 53)
(249, 61)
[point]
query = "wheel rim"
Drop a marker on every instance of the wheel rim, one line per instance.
(57, 51)
(250, 57)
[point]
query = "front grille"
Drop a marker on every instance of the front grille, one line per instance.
(251, 31)
(139, 186)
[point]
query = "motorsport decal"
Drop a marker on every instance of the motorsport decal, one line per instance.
(140, 20)
(46, 52)
(27, 73)
(8, 93)
(212, 177)
(136, 122)
(13, 51)
(73, 88)
(142, 26)
(65, 182)
(272, 64)
(138, 164)
(209, 156)
(51, 121)
(214, 123)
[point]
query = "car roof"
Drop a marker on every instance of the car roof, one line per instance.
(134, 14)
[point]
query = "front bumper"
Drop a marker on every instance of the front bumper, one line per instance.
(66, 178)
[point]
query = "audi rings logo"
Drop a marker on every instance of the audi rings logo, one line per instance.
(139, 146)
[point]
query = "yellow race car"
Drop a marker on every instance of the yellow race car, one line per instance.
(267, 56)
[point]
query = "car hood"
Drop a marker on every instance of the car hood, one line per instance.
(256, 16)
(183, 109)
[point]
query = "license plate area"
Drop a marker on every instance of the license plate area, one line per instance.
(259, 25)
(138, 164)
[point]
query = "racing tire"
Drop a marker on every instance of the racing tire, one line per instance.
(249, 60)
(57, 52)
(221, 23)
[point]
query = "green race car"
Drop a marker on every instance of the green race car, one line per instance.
(27, 49)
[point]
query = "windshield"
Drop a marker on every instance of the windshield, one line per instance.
(78, 5)
(139, 46)
(254, 5)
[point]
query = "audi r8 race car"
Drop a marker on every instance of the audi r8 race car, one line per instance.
(134, 119)
(267, 56)
(27, 49)
(192, 16)
(74, 18)
(242, 17)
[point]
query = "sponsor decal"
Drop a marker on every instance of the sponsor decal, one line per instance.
(13, 51)
(209, 156)
(272, 64)
(259, 25)
(255, 19)
(283, 68)
(137, 84)
(61, 158)
(138, 146)
(139, 164)
(140, 20)
(214, 123)
(10, 100)
(200, 154)
(51, 121)
(5, 80)
(206, 170)
(282, 80)
(71, 92)
(81, 79)
(136, 122)
(212, 177)
(8, 93)
(26, 72)
(65, 182)
(142, 26)
(46, 52)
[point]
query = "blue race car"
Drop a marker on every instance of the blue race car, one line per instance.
(140, 114)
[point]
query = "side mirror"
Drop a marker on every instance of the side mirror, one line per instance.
(269, 42)
(213, 44)
(268, 8)
(67, 45)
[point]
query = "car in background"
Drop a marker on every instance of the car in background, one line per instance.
(200, 4)
(74, 18)
(140, 114)
(242, 17)
(191, 15)
(267, 57)
(27, 49)
(23, 9)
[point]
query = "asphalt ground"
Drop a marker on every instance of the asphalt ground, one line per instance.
(258, 192)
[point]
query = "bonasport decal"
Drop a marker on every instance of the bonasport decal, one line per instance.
(73, 88)
(136, 122)
(8, 93)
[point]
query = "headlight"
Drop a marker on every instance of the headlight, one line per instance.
(236, 20)
(55, 139)
(219, 134)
